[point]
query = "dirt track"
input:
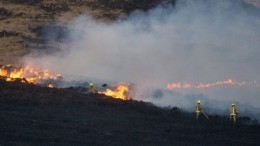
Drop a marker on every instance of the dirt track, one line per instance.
(33, 115)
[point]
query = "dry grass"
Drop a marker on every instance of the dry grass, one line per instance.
(20, 16)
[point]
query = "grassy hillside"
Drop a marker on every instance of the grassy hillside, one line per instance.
(19, 18)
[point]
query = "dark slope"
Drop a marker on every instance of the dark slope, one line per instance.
(33, 115)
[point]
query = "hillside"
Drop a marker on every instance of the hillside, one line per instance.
(21, 20)
(34, 115)
(37, 115)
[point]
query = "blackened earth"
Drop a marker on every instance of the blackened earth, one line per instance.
(34, 115)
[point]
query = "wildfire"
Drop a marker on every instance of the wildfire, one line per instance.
(185, 85)
(119, 92)
(50, 86)
(27, 74)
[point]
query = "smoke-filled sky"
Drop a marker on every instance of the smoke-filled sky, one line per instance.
(195, 41)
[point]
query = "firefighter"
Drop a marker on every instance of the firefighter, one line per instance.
(91, 88)
(233, 113)
(198, 109)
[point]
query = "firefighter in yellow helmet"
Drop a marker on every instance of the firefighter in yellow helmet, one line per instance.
(91, 88)
(198, 109)
(233, 113)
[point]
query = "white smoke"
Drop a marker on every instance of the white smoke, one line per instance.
(196, 41)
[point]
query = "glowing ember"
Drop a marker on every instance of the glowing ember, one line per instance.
(185, 85)
(50, 86)
(119, 92)
(27, 74)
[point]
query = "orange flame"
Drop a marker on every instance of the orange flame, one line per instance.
(119, 92)
(50, 86)
(185, 85)
(27, 74)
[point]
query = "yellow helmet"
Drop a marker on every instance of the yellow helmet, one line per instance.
(198, 101)
(233, 104)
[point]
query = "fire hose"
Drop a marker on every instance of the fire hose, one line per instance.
(205, 114)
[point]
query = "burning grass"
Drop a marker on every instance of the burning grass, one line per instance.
(119, 92)
(43, 77)
(29, 75)
(185, 85)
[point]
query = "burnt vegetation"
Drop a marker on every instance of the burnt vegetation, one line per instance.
(5, 13)
(131, 5)
(55, 8)
(26, 2)
(35, 115)
(5, 33)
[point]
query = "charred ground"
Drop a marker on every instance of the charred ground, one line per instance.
(34, 115)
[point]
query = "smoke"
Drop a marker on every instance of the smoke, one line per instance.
(196, 41)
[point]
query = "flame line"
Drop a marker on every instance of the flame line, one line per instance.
(185, 85)
(28, 74)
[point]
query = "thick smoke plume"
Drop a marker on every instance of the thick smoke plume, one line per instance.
(194, 41)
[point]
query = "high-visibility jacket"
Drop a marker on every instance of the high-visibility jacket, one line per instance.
(198, 108)
(233, 111)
